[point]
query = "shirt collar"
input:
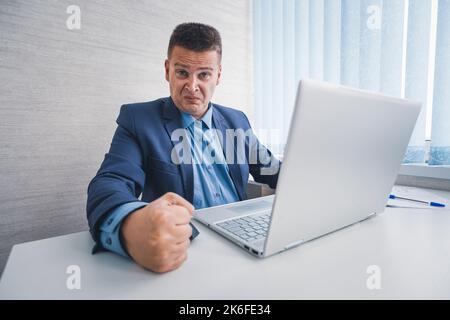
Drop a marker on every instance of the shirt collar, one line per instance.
(207, 117)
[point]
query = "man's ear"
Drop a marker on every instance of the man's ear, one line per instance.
(166, 66)
(219, 74)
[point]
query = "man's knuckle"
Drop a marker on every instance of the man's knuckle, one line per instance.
(158, 243)
(160, 217)
(170, 195)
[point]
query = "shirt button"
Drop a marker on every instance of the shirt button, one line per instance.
(198, 203)
(217, 194)
(108, 241)
(209, 167)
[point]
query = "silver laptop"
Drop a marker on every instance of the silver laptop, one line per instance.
(341, 160)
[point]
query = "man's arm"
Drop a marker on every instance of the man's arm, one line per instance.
(156, 235)
(267, 167)
(120, 178)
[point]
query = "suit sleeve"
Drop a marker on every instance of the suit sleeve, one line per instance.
(266, 167)
(120, 178)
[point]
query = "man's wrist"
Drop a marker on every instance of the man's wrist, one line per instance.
(110, 230)
(122, 238)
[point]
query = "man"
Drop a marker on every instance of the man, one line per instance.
(145, 159)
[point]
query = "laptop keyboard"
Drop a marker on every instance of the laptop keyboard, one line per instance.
(248, 228)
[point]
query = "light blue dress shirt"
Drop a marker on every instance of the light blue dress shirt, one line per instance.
(213, 185)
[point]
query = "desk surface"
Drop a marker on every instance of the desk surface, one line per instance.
(411, 247)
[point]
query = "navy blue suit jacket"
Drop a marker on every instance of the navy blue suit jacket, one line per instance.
(139, 159)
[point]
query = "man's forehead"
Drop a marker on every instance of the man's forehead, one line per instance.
(191, 59)
(195, 66)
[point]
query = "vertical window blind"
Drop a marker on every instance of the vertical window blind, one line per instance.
(397, 47)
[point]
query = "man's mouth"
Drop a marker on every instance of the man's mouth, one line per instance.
(192, 98)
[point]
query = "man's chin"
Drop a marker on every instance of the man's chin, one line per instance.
(194, 108)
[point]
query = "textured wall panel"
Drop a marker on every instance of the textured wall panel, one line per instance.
(61, 90)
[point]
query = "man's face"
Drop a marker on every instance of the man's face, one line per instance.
(192, 78)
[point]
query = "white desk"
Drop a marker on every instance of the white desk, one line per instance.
(411, 247)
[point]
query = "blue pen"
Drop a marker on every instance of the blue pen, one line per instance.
(432, 204)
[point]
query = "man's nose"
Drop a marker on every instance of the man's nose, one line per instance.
(192, 85)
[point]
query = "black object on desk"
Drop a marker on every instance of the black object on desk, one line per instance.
(195, 232)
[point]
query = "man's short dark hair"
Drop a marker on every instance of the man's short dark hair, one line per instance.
(197, 37)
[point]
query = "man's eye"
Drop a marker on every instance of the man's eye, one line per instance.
(204, 75)
(181, 73)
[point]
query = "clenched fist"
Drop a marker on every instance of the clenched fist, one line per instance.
(157, 235)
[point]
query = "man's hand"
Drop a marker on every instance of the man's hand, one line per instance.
(157, 236)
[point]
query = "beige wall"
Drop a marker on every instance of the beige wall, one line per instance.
(61, 89)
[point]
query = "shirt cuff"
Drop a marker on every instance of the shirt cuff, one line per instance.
(110, 228)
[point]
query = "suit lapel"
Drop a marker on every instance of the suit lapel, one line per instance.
(173, 122)
(235, 171)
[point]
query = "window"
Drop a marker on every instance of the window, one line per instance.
(398, 47)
